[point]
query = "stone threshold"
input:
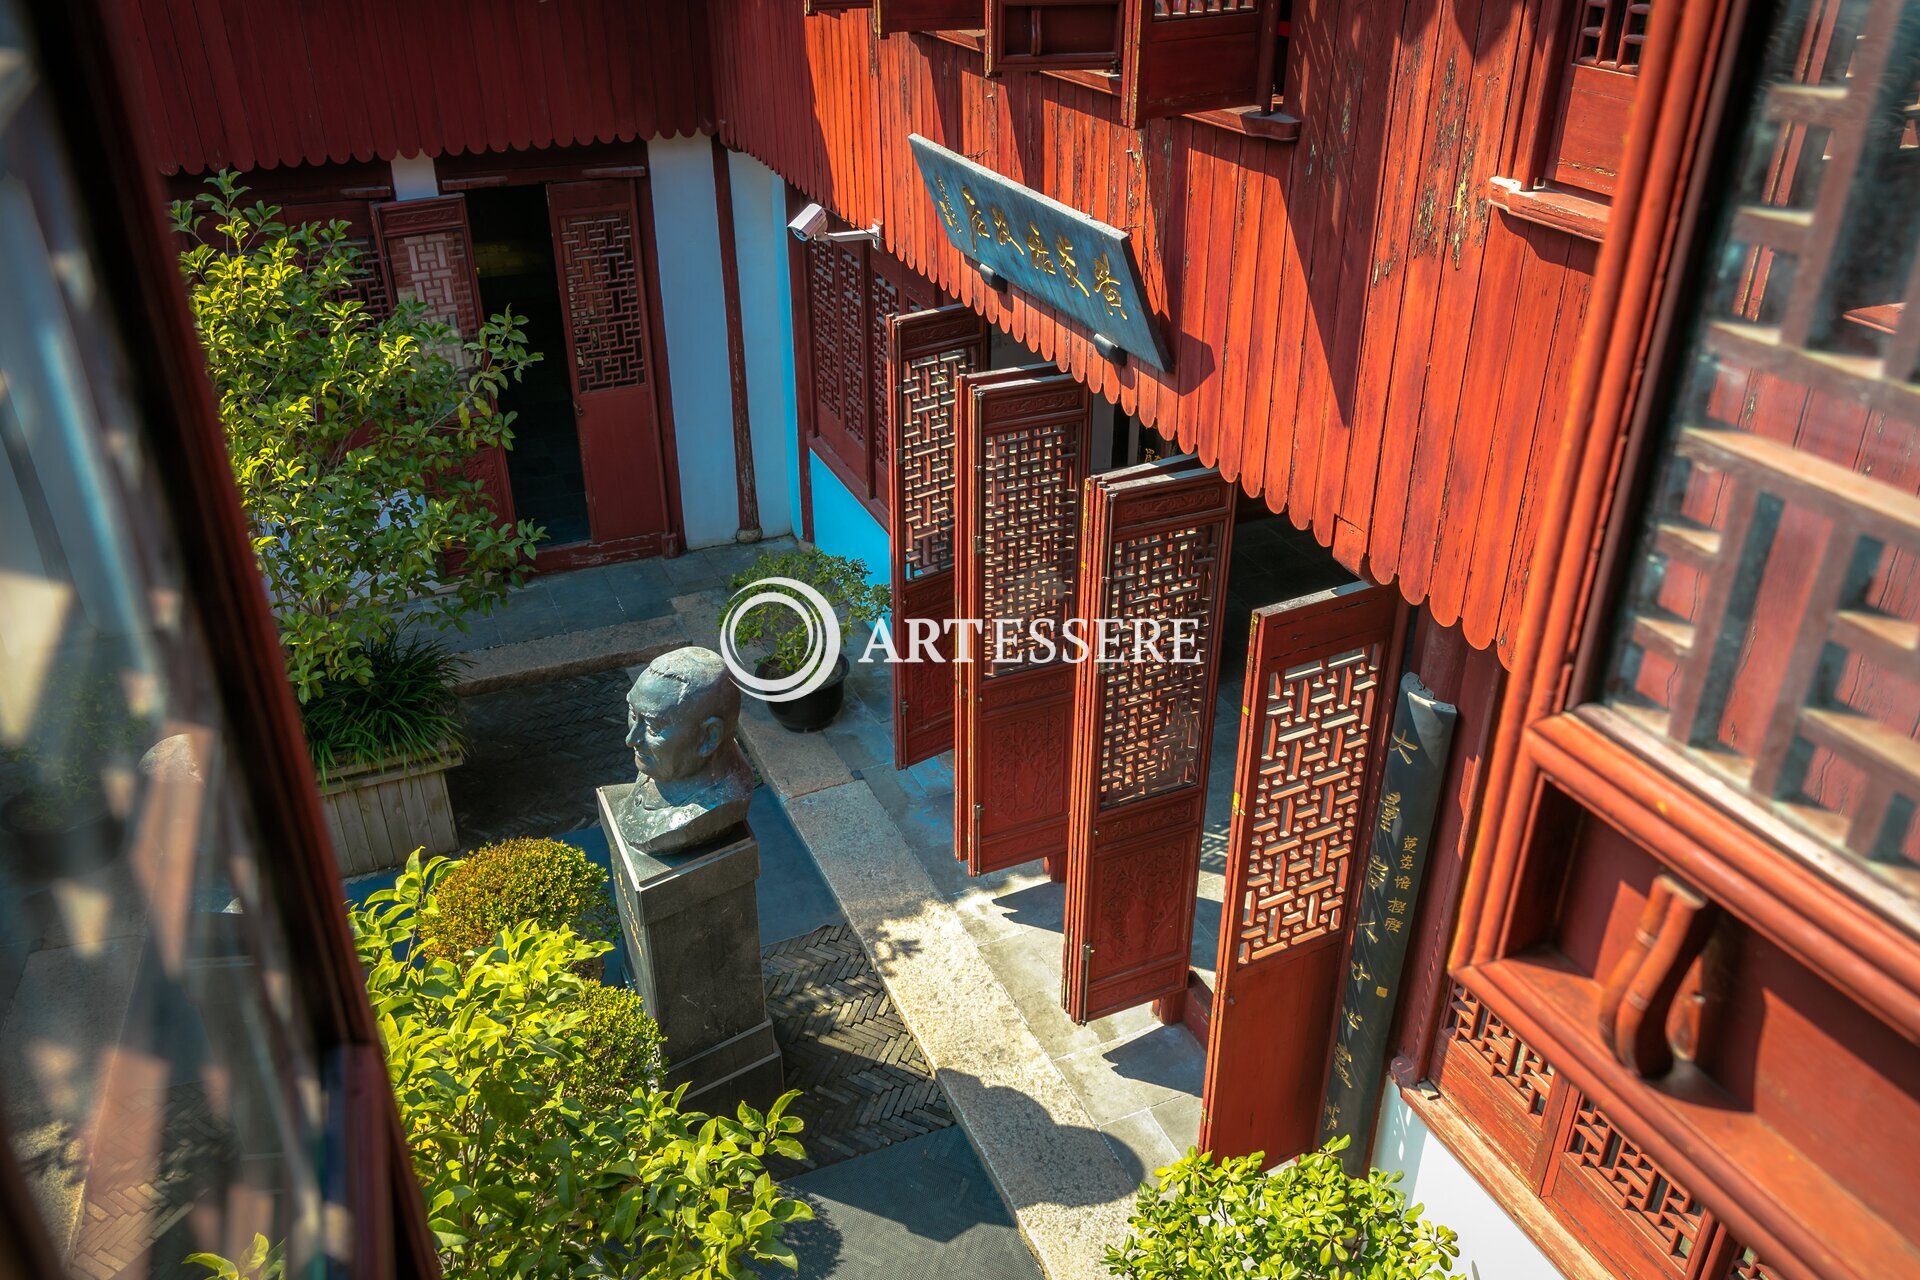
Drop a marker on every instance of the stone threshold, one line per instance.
(1067, 1189)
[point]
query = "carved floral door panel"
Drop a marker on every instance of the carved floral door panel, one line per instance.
(597, 250)
(1156, 543)
(1024, 455)
(429, 258)
(928, 352)
(1311, 717)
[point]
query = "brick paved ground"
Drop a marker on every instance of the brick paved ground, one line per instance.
(536, 753)
(863, 1082)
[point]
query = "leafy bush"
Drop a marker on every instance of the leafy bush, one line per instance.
(405, 710)
(522, 1175)
(778, 631)
(1308, 1221)
(545, 882)
(350, 436)
(623, 1049)
(264, 1262)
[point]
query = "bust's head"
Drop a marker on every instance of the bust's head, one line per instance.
(681, 710)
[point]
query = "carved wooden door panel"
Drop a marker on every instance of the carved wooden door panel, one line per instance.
(1315, 705)
(928, 352)
(1156, 543)
(1024, 455)
(597, 250)
(429, 258)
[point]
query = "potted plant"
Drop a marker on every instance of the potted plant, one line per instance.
(782, 636)
(353, 439)
(381, 749)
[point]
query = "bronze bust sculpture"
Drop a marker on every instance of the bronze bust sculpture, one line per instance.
(693, 782)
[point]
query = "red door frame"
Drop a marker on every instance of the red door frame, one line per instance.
(1133, 862)
(1292, 851)
(627, 508)
(626, 161)
(1011, 782)
(929, 353)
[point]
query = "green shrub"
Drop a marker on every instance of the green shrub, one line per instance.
(405, 710)
(1308, 1221)
(545, 882)
(523, 1175)
(623, 1049)
(777, 631)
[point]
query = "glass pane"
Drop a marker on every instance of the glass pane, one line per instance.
(159, 1087)
(1772, 625)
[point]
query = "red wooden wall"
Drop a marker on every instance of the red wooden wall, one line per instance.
(1361, 339)
(261, 83)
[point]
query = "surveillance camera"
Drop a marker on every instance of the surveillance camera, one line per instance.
(808, 223)
(809, 226)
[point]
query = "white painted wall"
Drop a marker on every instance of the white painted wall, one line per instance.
(694, 319)
(414, 178)
(1492, 1245)
(766, 323)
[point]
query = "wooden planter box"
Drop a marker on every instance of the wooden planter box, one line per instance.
(378, 814)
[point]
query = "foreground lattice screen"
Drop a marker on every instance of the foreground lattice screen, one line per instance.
(1772, 626)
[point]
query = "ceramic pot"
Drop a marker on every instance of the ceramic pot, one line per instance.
(814, 711)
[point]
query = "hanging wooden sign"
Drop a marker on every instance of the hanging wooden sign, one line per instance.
(1082, 268)
(1416, 761)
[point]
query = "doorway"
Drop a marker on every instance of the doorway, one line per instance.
(513, 256)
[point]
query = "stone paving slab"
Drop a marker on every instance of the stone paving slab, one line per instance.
(923, 1208)
(569, 653)
(1064, 1182)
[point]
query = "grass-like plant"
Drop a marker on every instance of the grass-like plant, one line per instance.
(545, 882)
(405, 710)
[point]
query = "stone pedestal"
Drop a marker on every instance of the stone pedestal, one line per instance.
(692, 931)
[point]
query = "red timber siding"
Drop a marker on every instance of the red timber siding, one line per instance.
(1360, 339)
(261, 83)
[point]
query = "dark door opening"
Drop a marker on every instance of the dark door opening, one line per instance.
(513, 255)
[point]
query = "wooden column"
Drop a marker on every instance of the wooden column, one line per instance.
(746, 491)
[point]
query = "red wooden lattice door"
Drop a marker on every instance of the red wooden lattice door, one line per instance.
(597, 249)
(1024, 454)
(1310, 722)
(429, 257)
(1156, 543)
(928, 352)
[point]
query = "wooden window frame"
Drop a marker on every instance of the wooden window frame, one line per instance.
(135, 268)
(1550, 761)
(862, 466)
(1273, 120)
(1537, 115)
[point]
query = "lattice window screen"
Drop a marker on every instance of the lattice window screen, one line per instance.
(603, 299)
(1031, 533)
(1315, 728)
(1152, 715)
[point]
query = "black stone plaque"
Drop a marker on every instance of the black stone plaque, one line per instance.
(1416, 762)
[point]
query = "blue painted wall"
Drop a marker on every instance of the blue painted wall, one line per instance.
(766, 323)
(687, 235)
(842, 527)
